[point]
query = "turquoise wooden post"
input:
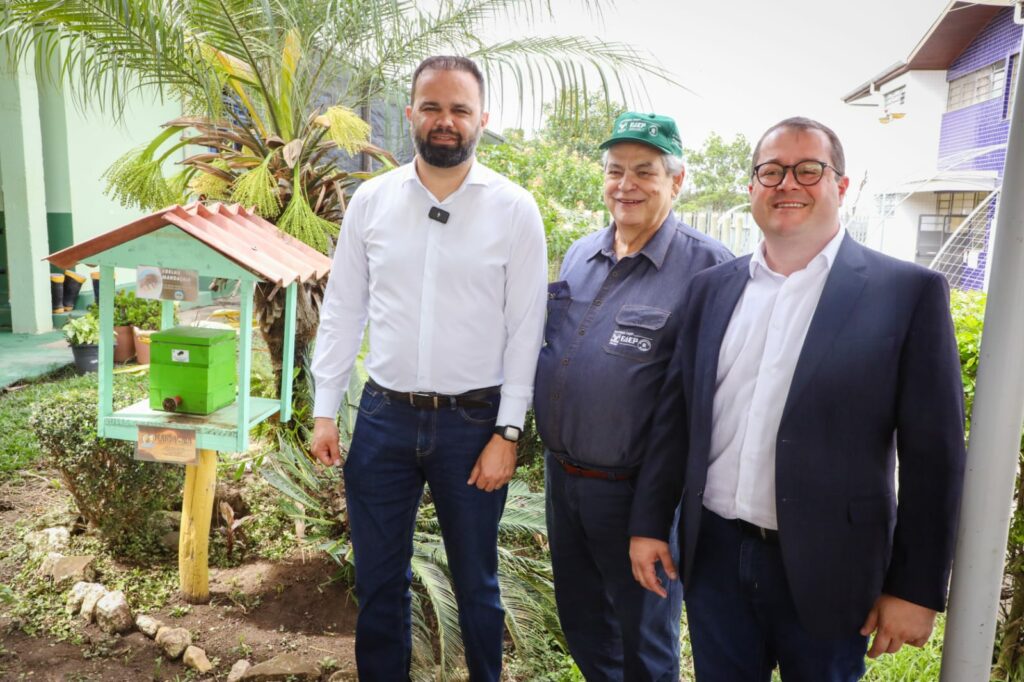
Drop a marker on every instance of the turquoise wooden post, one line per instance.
(288, 361)
(244, 361)
(166, 314)
(105, 368)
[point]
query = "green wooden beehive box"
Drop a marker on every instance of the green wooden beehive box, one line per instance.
(192, 370)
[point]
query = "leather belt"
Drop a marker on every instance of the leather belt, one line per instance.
(436, 401)
(767, 534)
(574, 470)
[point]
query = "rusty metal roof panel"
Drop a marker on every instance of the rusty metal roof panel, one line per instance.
(231, 230)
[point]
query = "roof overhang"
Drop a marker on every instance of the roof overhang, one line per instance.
(950, 181)
(957, 25)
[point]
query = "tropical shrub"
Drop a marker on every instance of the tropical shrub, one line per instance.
(568, 188)
(82, 331)
(115, 493)
(133, 311)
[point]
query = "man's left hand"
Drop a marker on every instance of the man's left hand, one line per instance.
(896, 622)
(495, 465)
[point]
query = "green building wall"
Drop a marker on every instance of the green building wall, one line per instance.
(51, 168)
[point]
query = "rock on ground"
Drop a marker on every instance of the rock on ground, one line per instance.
(77, 594)
(54, 539)
(65, 569)
(113, 613)
(282, 667)
(194, 657)
(238, 669)
(147, 625)
(173, 641)
(90, 600)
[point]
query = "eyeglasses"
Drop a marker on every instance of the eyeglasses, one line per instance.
(805, 173)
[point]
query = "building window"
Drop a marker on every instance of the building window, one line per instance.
(977, 86)
(1011, 81)
(894, 99)
(951, 208)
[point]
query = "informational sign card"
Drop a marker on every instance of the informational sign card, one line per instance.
(166, 284)
(172, 446)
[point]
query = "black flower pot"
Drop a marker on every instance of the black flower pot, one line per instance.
(87, 357)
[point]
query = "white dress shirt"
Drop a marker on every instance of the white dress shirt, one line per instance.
(755, 368)
(452, 306)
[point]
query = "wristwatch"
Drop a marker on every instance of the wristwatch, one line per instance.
(509, 433)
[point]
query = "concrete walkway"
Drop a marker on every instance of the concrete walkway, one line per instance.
(24, 356)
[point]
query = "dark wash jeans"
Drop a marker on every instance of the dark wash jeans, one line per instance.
(742, 620)
(616, 630)
(395, 450)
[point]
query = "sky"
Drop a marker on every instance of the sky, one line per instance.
(751, 63)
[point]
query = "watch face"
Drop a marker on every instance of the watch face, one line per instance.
(511, 433)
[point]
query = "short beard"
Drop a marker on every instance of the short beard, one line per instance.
(444, 157)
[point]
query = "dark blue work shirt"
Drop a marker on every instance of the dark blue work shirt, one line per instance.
(608, 338)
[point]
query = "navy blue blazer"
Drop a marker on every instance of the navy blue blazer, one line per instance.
(878, 378)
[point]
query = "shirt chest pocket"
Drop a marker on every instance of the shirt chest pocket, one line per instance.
(638, 332)
(559, 299)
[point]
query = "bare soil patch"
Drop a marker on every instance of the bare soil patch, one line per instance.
(257, 610)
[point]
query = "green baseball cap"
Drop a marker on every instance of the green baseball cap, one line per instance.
(658, 131)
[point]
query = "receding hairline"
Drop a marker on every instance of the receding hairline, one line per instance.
(448, 63)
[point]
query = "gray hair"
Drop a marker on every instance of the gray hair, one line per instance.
(673, 164)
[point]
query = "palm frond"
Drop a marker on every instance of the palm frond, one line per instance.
(429, 569)
(300, 221)
(257, 188)
(345, 129)
(105, 49)
(136, 178)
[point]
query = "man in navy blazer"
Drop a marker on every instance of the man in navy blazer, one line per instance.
(801, 375)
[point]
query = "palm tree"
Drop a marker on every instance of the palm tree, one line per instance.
(253, 78)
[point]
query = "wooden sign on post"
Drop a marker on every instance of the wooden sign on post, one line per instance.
(172, 446)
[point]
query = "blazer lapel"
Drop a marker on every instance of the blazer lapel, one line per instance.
(713, 325)
(843, 287)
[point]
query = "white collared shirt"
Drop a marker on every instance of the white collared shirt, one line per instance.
(452, 306)
(756, 362)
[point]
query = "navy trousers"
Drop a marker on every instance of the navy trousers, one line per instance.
(395, 450)
(616, 630)
(741, 617)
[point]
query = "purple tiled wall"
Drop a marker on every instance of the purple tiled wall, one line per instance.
(983, 124)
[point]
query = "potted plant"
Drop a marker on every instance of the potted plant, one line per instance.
(123, 301)
(143, 314)
(83, 335)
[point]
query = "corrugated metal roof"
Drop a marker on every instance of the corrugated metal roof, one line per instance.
(231, 230)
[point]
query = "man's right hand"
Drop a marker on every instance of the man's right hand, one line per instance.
(325, 445)
(644, 553)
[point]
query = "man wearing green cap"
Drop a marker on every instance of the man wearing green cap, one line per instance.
(611, 325)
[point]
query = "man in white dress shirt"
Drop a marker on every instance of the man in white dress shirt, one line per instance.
(799, 376)
(447, 261)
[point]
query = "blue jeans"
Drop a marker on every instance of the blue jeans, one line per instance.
(396, 448)
(616, 630)
(742, 619)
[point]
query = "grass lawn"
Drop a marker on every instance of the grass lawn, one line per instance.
(19, 449)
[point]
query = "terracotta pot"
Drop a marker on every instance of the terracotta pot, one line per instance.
(142, 345)
(125, 349)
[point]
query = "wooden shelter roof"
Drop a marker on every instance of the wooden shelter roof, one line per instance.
(236, 233)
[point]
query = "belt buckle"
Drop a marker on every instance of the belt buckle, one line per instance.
(413, 395)
(763, 533)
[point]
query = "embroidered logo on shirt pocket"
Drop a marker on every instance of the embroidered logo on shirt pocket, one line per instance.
(638, 330)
